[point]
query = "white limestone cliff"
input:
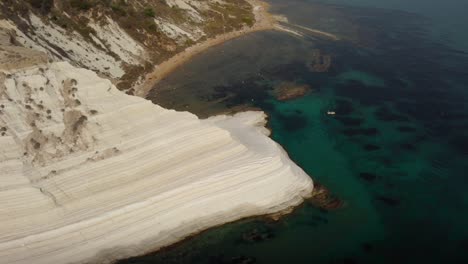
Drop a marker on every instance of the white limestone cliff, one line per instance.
(118, 39)
(89, 174)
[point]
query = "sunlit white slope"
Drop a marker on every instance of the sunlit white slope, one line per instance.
(89, 174)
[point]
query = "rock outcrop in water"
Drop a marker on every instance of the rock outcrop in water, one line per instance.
(90, 174)
(289, 91)
(323, 199)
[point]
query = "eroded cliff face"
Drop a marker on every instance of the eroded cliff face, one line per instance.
(90, 174)
(119, 39)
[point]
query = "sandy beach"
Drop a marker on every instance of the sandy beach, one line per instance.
(263, 21)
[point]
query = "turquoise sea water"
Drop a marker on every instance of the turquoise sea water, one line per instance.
(396, 152)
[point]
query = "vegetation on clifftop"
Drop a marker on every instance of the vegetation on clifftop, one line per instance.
(162, 27)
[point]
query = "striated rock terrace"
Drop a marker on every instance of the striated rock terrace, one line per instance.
(90, 174)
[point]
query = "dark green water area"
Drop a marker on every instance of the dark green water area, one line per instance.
(396, 152)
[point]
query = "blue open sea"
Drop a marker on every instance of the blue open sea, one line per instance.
(396, 152)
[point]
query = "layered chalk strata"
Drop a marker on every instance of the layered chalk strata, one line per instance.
(91, 174)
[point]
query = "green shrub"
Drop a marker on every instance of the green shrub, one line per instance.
(149, 12)
(248, 20)
(151, 26)
(119, 10)
(44, 5)
(81, 4)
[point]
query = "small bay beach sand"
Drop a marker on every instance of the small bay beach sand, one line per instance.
(263, 21)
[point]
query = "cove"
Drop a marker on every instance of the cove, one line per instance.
(395, 152)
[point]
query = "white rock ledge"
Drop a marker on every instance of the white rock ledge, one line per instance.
(89, 174)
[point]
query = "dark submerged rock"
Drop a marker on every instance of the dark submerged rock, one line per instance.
(349, 261)
(406, 129)
(388, 200)
(371, 147)
(367, 247)
(242, 260)
(460, 143)
(350, 121)
(321, 219)
(360, 131)
(369, 177)
(408, 146)
(385, 114)
(257, 235)
(293, 122)
(343, 107)
(220, 259)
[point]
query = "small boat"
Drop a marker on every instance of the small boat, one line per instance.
(331, 113)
